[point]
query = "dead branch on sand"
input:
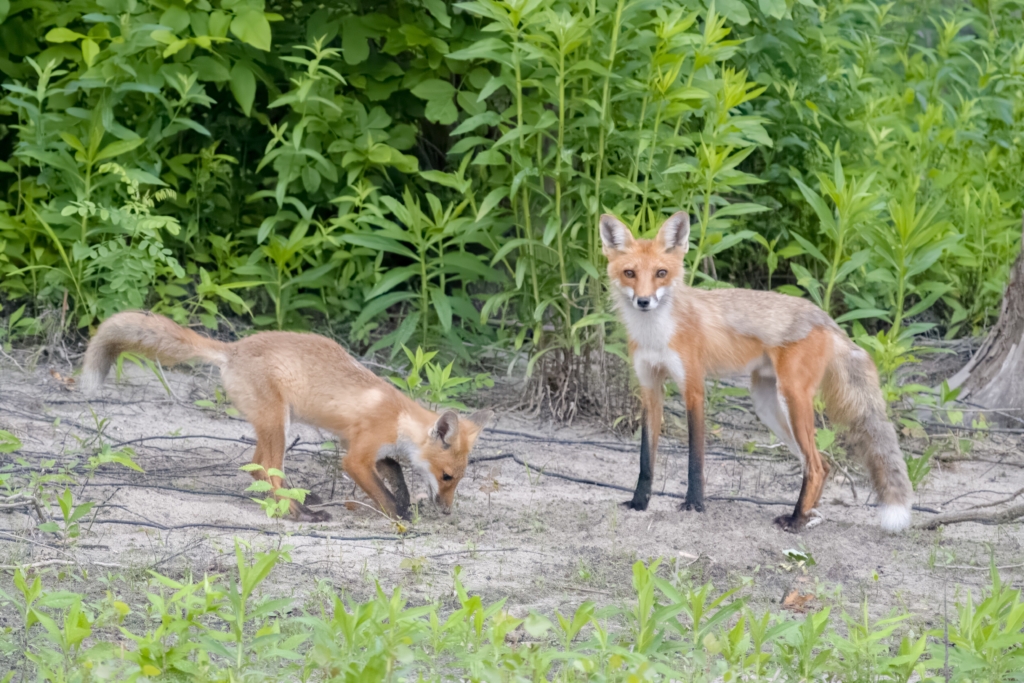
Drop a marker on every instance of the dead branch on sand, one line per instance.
(50, 563)
(999, 517)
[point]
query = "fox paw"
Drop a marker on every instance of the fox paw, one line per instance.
(814, 519)
(634, 505)
(692, 506)
(797, 523)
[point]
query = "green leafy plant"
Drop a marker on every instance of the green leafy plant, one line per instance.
(440, 387)
(67, 527)
(279, 504)
(919, 467)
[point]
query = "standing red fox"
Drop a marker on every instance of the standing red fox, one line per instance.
(275, 378)
(790, 347)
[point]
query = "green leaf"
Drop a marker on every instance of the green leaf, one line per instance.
(118, 148)
(825, 215)
(488, 48)
(491, 201)
(252, 27)
(441, 111)
(861, 313)
(73, 141)
(243, 86)
(434, 89)
(374, 308)
(392, 279)
(438, 10)
(219, 23)
(733, 10)
(62, 35)
(9, 442)
(89, 50)
(355, 40)
(536, 625)
(5, 8)
(773, 8)
(379, 243)
(81, 511)
(445, 179)
(210, 69)
(443, 307)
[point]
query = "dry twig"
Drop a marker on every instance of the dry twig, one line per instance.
(1001, 517)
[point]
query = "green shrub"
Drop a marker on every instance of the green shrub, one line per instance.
(212, 629)
(432, 172)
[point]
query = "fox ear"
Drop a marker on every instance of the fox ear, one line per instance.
(446, 429)
(481, 417)
(675, 233)
(615, 234)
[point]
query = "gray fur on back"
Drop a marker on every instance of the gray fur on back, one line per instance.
(773, 318)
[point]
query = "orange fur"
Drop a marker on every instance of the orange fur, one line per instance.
(275, 378)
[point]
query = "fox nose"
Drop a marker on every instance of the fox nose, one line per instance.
(643, 301)
(446, 509)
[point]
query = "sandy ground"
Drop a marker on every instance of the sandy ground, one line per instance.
(544, 542)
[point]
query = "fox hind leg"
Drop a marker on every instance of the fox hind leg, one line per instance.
(271, 425)
(800, 369)
(769, 409)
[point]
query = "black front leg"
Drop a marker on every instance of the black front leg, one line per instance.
(391, 472)
(642, 494)
(695, 474)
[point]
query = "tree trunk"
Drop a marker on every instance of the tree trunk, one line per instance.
(994, 377)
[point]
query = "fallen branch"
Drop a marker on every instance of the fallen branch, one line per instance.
(1000, 517)
(1008, 499)
(985, 568)
(21, 500)
(258, 530)
(50, 563)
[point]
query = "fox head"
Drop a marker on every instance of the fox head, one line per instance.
(642, 271)
(444, 457)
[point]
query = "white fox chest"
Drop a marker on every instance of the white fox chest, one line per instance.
(653, 357)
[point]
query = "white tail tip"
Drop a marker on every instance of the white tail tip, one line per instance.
(894, 517)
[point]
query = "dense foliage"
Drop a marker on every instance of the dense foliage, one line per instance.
(429, 172)
(212, 629)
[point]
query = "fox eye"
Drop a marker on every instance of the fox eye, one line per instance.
(629, 273)
(662, 273)
(446, 477)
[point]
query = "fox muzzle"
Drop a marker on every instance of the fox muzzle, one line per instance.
(645, 303)
(446, 508)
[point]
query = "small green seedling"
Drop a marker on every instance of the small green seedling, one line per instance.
(801, 559)
(279, 504)
(9, 443)
(918, 468)
(68, 527)
(440, 388)
(219, 404)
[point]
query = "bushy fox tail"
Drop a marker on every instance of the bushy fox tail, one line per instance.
(149, 335)
(853, 398)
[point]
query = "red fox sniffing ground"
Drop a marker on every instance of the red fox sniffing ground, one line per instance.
(275, 378)
(790, 347)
